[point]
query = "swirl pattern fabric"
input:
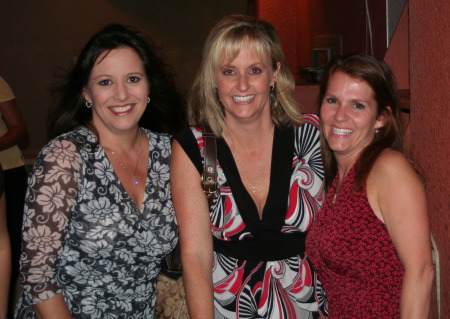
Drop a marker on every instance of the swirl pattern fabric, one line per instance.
(287, 288)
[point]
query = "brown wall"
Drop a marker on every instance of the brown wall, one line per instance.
(298, 21)
(39, 37)
(429, 122)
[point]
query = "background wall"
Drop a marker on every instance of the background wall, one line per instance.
(429, 28)
(300, 22)
(39, 38)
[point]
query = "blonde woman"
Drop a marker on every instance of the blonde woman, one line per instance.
(244, 256)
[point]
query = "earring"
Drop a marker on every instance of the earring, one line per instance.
(272, 87)
(148, 100)
(376, 131)
(88, 104)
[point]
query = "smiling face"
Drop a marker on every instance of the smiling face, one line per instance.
(118, 89)
(243, 85)
(349, 116)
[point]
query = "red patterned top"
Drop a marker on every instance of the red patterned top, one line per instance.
(354, 257)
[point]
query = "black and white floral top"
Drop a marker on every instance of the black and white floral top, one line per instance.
(84, 237)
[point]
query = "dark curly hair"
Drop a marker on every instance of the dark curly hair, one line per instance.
(166, 113)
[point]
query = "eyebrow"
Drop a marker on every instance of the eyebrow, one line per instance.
(109, 75)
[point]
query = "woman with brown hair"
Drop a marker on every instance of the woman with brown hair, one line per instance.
(370, 243)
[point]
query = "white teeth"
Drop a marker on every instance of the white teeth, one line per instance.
(341, 131)
(243, 98)
(121, 109)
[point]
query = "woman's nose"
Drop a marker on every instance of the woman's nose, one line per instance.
(341, 113)
(243, 83)
(121, 92)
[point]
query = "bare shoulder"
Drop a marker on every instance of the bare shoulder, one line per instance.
(392, 165)
(391, 182)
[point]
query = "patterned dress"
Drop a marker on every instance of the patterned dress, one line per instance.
(85, 238)
(260, 269)
(354, 257)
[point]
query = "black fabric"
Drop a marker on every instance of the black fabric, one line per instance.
(268, 243)
(276, 246)
(15, 189)
(2, 181)
(276, 204)
(187, 141)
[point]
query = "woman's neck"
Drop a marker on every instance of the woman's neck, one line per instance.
(249, 137)
(122, 142)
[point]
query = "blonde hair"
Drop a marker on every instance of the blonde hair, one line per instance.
(225, 41)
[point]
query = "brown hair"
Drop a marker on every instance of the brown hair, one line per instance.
(225, 40)
(379, 76)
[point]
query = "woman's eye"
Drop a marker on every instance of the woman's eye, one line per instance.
(104, 82)
(330, 100)
(228, 72)
(255, 71)
(134, 79)
(359, 106)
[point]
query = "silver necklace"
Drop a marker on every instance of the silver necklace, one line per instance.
(124, 167)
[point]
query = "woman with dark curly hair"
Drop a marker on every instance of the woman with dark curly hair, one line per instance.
(98, 214)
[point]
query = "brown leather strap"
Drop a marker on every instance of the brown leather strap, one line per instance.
(209, 176)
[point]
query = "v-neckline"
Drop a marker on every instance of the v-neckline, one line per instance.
(122, 187)
(275, 207)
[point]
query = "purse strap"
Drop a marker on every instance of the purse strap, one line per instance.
(209, 175)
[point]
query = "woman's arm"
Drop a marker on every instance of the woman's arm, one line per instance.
(192, 213)
(401, 203)
(5, 260)
(52, 192)
(17, 129)
(54, 308)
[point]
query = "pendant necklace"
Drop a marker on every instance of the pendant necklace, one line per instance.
(254, 182)
(124, 167)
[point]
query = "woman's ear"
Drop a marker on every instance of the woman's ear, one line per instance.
(275, 73)
(383, 117)
(86, 95)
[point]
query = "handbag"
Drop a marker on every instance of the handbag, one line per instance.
(170, 294)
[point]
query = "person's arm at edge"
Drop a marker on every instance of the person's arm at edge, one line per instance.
(54, 308)
(191, 209)
(17, 133)
(5, 260)
(402, 203)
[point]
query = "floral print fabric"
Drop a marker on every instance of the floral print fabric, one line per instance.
(84, 237)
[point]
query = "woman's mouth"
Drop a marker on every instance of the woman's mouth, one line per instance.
(341, 131)
(121, 110)
(246, 98)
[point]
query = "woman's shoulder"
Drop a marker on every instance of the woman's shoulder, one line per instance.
(310, 119)
(188, 132)
(163, 137)
(392, 167)
(76, 141)
(190, 137)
